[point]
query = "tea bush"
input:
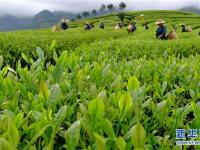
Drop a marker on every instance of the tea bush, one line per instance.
(101, 89)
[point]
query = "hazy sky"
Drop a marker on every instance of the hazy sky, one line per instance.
(31, 7)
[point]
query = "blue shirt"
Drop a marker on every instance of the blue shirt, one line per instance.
(161, 32)
(64, 26)
(184, 29)
(87, 27)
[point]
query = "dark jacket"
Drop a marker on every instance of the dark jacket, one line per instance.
(161, 33)
(101, 25)
(184, 29)
(88, 27)
(146, 26)
(134, 27)
(64, 26)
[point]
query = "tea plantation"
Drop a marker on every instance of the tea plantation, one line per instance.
(100, 89)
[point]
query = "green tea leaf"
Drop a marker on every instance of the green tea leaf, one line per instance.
(44, 90)
(25, 58)
(133, 84)
(106, 126)
(60, 117)
(100, 142)
(55, 56)
(121, 144)
(125, 102)
(138, 137)
(8, 86)
(40, 53)
(62, 60)
(5, 145)
(51, 47)
(196, 111)
(39, 133)
(4, 71)
(72, 135)
(87, 127)
(12, 132)
(102, 95)
(55, 95)
(96, 108)
(19, 119)
(57, 73)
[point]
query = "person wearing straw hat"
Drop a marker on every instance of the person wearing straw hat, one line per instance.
(101, 25)
(118, 26)
(142, 17)
(186, 28)
(162, 30)
(64, 24)
(183, 27)
(132, 27)
(87, 26)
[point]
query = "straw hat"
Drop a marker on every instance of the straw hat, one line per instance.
(64, 20)
(182, 24)
(141, 15)
(160, 22)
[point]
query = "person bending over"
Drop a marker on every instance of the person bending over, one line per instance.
(64, 24)
(161, 30)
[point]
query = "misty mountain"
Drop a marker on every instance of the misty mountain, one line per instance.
(46, 19)
(13, 23)
(191, 9)
(43, 19)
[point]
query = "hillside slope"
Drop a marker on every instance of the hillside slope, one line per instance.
(172, 17)
(72, 38)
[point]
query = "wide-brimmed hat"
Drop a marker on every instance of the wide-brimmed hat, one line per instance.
(182, 24)
(65, 20)
(142, 15)
(160, 22)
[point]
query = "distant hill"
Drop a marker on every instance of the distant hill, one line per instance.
(191, 9)
(46, 19)
(12, 23)
(43, 19)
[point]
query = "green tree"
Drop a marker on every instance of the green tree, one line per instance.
(94, 12)
(102, 8)
(121, 17)
(122, 6)
(111, 7)
(78, 16)
(85, 13)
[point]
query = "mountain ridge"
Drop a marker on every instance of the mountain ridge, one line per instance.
(193, 9)
(43, 19)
